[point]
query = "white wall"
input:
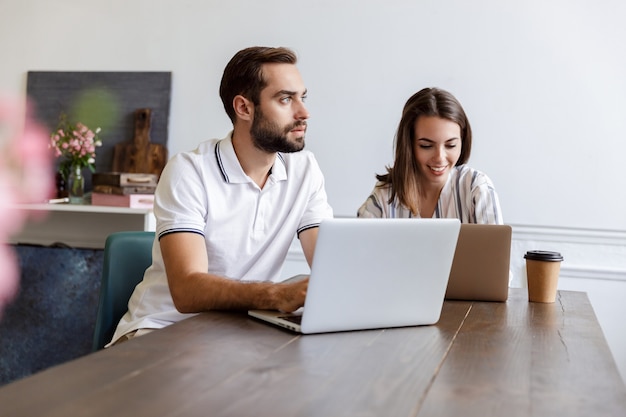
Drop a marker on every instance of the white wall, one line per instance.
(542, 82)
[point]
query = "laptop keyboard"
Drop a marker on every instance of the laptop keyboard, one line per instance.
(294, 319)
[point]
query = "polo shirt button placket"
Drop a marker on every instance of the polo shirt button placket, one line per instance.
(259, 223)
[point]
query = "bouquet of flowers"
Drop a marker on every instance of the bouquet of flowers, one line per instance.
(76, 143)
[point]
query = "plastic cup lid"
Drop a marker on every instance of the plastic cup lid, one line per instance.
(543, 255)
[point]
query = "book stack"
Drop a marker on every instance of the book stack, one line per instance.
(123, 189)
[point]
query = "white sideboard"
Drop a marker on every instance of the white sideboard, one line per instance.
(79, 225)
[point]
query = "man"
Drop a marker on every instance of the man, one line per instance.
(228, 211)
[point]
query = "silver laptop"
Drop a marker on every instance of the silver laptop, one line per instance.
(374, 273)
(480, 269)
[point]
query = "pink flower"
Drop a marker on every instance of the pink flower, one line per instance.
(75, 143)
(25, 167)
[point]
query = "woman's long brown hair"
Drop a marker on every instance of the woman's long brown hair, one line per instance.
(404, 176)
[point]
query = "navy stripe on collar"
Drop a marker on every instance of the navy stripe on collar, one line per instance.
(218, 157)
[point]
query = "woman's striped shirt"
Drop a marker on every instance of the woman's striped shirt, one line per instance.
(468, 195)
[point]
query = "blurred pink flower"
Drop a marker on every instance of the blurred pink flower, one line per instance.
(25, 177)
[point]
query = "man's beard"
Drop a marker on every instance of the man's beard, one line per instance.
(269, 137)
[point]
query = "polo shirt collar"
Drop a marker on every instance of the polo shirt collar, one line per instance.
(231, 169)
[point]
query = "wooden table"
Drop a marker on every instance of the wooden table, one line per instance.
(481, 359)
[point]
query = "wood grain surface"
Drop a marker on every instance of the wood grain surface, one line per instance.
(482, 359)
(140, 155)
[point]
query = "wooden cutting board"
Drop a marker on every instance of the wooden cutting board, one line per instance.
(139, 154)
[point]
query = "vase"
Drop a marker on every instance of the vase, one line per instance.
(61, 185)
(76, 184)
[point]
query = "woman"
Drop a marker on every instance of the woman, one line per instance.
(429, 178)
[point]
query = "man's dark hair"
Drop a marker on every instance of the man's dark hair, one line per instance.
(243, 74)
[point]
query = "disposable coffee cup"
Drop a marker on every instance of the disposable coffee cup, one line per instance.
(542, 274)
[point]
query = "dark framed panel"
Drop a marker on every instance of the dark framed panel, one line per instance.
(103, 99)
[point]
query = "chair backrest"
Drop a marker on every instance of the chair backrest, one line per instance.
(126, 257)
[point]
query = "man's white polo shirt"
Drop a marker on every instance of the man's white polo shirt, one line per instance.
(247, 230)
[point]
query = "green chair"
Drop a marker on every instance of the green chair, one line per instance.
(126, 257)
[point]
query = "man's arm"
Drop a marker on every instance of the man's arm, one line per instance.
(308, 239)
(194, 290)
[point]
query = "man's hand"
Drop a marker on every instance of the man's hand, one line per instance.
(290, 296)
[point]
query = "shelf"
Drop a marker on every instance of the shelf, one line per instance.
(80, 225)
(82, 208)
